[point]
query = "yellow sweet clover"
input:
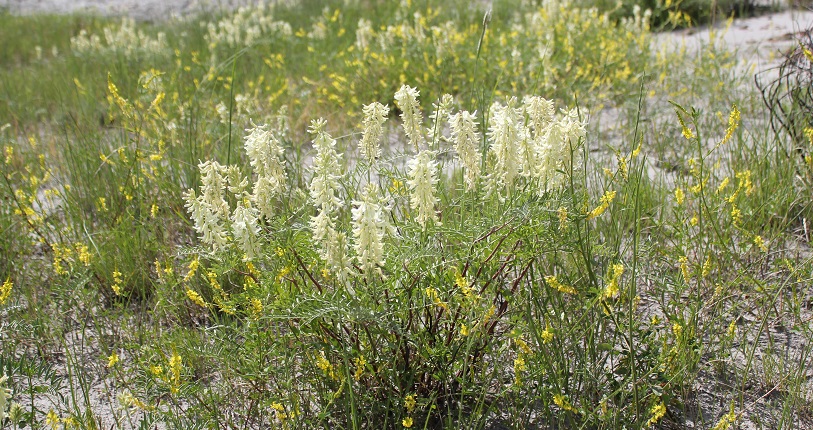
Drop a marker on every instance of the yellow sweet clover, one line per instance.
(361, 364)
(758, 242)
(658, 411)
(325, 366)
(733, 123)
(519, 367)
(433, 295)
(554, 283)
(604, 203)
(175, 368)
(193, 268)
(117, 282)
(547, 334)
(112, 359)
(614, 273)
(679, 196)
(407, 422)
(732, 328)
(410, 403)
(5, 290)
(562, 215)
(52, 419)
(196, 298)
(727, 420)
(561, 401)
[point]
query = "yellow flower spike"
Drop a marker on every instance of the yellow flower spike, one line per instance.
(196, 298)
(736, 215)
(706, 269)
(117, 282)
(554, 283)
(606, 199)
(733, 123)
(213, 281)
(684, 269)
(806, 52)
(561, 401)
(614, 273)
(758, 242)
(112, 359)
(52, 419)
(407, 422)
(361, 364)
(5, 290)
(410, 403)
(547, 334)
(193, 268)
(175, 368)
(677, 329)
(561, 213)
(464, 331)
(679, 196)
(723, 184)
(727, 420)
(658, 411)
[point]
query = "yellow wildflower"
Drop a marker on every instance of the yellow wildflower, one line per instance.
(407, 422)
(562, 215)
(433, 295)
(83, 253)
(657, 411)
(736, 215)
(733, 123)
(193, 268)
(556, 285)
(175, 367)
(732, 328)
(758, 241)
(5, 290)
(726, 421)
(723, 184)
(52, 419)
(410, 403)
(561, 401)
(112, 360)
(464, 331)
(256, 307)
(325, 366)
(196, 298)
(117, 282)
(677, 329)
(604, 203)
(361, 364)
(684, 268)
(614, 273)
(679, 196)
(547, 334)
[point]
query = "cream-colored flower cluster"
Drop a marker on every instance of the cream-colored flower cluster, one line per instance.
(123, 39)
(525, 141)
(531, 141)
(245, 27)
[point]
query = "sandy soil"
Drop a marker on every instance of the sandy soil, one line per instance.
(137, 9)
